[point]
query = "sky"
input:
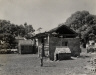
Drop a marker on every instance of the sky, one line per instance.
(46, 14)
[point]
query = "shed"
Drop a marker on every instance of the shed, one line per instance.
(59, 36)
(26, 47)
(62, 52)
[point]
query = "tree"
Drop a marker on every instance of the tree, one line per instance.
(28, 30)
(39, 29)
(83, 23)
(10, 31)
(77, 19)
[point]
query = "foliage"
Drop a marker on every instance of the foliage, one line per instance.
(39, 29)
(83, 23)
(8, 31)
(5, 46)
(22, 30)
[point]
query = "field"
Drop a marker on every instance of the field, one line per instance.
(29, 64)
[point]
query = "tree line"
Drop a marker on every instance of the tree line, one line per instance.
(8, 32)
(81, 22)
(13, 29)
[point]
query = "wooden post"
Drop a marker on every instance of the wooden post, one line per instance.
(37, 43)
(61, 39)
(42, 52)
(48, 45)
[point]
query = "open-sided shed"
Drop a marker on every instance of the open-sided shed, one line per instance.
(59, 36)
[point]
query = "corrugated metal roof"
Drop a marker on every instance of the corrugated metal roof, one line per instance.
(26, 42)
(62, 49)
(58, 28)
(19, 37)
(55, 29)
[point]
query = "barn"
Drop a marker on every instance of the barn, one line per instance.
(58, 37)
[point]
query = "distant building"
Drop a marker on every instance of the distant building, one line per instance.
(26, 47)
(59, 36)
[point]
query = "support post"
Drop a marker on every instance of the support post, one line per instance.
(42, 52)
(48, 46)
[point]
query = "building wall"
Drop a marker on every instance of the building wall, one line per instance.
(25, 49)
(72, 43)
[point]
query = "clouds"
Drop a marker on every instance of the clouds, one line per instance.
(43, 13)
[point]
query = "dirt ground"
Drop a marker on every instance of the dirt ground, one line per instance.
(29, 64)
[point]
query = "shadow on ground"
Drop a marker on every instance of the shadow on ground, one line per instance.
(84, 56)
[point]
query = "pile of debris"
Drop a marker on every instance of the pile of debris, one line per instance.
(91, 66)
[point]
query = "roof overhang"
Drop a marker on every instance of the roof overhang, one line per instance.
(58, 31)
